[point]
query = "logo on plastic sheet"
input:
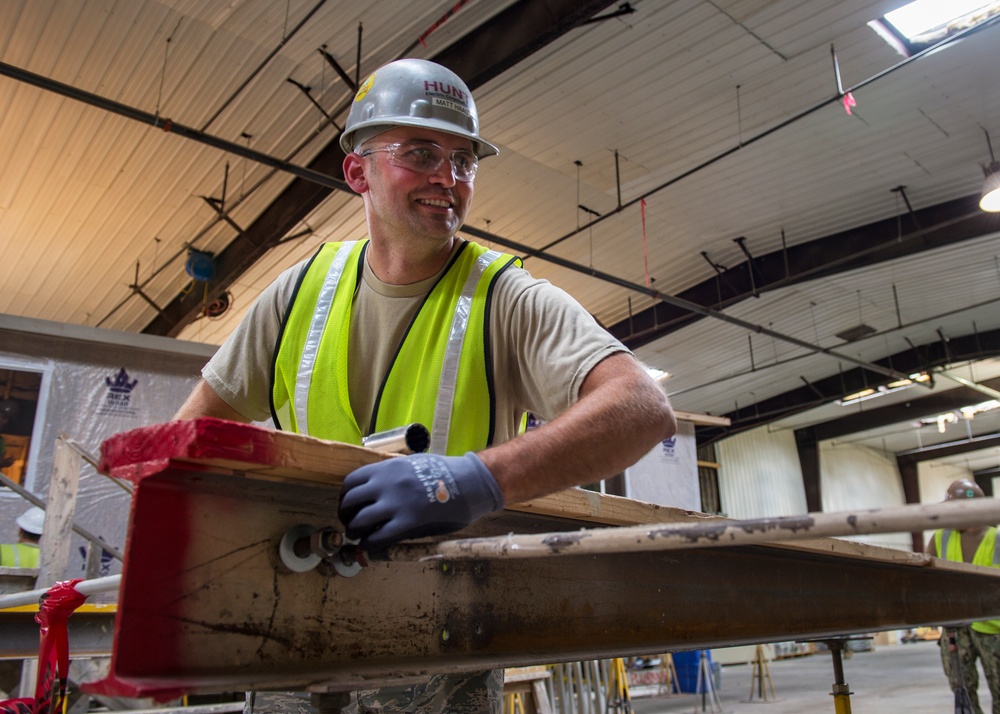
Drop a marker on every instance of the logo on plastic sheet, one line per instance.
(117, 401)
(669, 447)
(105, 562)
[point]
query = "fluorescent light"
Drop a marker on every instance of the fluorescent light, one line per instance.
(658, 374)
(883, 389)
(991, 190)
(923, 16)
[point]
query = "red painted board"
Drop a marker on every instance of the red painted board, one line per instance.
(234, 446)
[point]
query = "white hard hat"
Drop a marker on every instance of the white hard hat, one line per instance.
(414, 92)
(32, 520)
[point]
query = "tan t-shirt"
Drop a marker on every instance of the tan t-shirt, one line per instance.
(544, 345)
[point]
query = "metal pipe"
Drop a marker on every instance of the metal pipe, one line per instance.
(84, 587)
(711, 533)
(988, 391)
(264, 63)
(170, 126)
(781, 125)
(682, 303)
(35, 500)
(409, 439)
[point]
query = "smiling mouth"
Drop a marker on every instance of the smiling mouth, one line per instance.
(435, 202)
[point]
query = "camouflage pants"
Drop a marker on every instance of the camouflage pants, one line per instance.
(479, 693)
(974, 645)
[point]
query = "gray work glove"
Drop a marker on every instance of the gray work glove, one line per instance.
(415, 496)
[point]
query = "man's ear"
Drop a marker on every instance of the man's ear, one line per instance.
(354, 173)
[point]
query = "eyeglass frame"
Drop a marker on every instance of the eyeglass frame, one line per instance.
(442, 154)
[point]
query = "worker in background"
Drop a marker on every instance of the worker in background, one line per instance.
(979, 640)
(24, 553)
(8, 408)
(415, 324)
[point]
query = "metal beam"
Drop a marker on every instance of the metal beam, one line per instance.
(202, 580)
(979, 345)
(910, 410)
(90, 634)
(952, 448)
(496, 45)
(944, 224)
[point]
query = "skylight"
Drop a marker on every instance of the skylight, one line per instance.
(923, 16)
(924, 22)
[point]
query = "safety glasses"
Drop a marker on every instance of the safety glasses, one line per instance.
(427, 158)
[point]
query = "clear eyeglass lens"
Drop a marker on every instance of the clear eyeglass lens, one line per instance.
(428, 158)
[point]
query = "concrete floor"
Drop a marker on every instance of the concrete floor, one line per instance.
(894, 678)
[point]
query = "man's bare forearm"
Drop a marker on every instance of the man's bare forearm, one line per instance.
(620, 416)
(205, 402)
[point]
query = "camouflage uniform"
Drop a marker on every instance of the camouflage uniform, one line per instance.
(974, 645)
(479, 693)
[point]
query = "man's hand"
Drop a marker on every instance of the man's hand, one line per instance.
(416, 496)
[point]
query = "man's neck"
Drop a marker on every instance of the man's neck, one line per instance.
(407, 264)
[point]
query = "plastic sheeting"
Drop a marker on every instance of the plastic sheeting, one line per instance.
(668, 474)
(95, 383)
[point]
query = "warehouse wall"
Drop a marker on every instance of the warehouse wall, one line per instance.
(760, 476)
(860, 477)
(934, 478)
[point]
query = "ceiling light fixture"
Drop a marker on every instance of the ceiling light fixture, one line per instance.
(991, 186)
(882, 390)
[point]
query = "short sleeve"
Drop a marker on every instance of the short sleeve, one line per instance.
(240, 371)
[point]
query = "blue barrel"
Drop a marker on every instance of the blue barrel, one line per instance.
(686, 664)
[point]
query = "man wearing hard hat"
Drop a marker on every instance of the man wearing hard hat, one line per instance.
(978, 640)
(415, 324)
(24, 553)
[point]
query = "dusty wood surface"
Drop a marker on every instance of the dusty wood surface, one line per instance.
(60, 510)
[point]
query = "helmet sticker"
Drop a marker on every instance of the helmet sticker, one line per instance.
(365, 88)
(452, 105)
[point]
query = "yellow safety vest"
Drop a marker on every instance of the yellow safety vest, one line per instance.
(441, 375)
(986, 555)
(19, 555)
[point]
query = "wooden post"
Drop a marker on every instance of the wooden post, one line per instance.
(59, 510)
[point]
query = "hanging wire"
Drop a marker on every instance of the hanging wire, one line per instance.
(578, 164)
(322, 84)
(739, 117)
(163, 68)
(812, 311)
(243, 179)
(591, 246)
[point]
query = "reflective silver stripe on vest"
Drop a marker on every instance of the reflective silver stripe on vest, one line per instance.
(453, 353)
(310, 349)
(943, 550)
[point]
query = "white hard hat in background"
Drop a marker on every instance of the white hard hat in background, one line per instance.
(32, 520)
